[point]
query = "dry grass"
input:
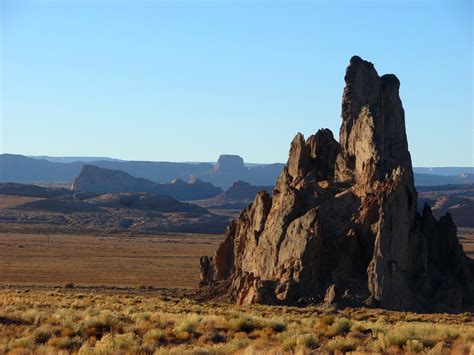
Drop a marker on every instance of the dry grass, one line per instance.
(76, 319)
(65, 321)
(170, 261)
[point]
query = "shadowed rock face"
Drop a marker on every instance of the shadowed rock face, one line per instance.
(342, 225)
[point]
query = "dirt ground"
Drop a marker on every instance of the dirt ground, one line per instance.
(159, 261)
(169, 261)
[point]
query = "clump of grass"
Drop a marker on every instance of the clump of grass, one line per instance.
(243, 324)
(326, 319)
(112, 343)
(309, 341)
(342, 344)
(42, 334)
(189, 325)
(237, 344)
(154, 337)
(290, 340)
(23, 343)
(341, 326)
(401, 335)
(414, 346)
(65, 343)
(276, 325)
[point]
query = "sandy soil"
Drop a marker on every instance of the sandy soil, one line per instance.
(170, 261)
(160, 261)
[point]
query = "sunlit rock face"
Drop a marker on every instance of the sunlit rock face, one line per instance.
(341, 225)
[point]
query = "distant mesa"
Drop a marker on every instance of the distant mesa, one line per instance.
(230, 164)
(100, 180)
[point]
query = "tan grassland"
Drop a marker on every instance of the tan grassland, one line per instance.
(117, 294)
(67, 321)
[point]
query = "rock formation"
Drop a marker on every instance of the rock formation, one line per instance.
(342, 224)
(101, 180)
(242, 191)
(228, 163)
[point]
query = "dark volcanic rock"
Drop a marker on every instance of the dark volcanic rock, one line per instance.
(342, 224)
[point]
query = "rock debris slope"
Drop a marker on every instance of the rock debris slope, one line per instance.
(342, 225)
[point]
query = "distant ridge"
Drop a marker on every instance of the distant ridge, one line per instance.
(455, 170)
(72, 159)
(228, 169)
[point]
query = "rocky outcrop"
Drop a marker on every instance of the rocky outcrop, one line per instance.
(100, 180)
(342, 224)
(242, 191)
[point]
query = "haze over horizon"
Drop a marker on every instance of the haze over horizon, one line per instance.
(187, 81)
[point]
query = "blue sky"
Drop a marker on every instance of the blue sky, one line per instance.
(189, 80)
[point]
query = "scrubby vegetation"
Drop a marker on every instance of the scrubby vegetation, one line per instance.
(68, 321)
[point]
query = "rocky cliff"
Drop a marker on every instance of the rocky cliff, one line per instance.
(342, 225)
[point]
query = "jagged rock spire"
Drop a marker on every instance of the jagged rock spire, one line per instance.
(372, 135)
(341, 225)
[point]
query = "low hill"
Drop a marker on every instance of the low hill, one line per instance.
(145, 201)
(60, 206)
(16, 189)
(33, 209)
